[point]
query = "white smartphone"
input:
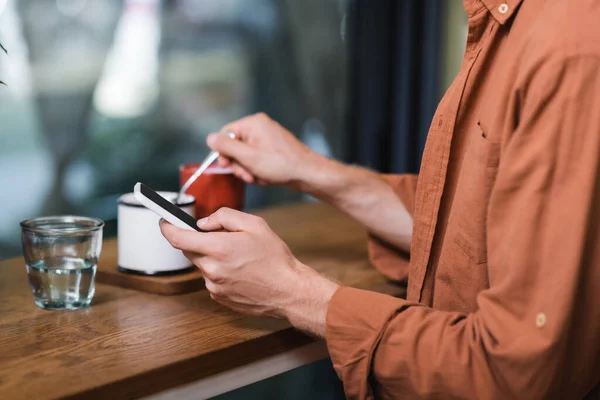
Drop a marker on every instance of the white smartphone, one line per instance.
(164, 208)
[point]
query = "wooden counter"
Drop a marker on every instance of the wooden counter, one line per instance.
(130, 344)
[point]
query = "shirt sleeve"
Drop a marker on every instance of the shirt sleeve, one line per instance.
(535, 333)
(387, 259)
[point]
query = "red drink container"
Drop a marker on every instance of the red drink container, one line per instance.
(217, 187)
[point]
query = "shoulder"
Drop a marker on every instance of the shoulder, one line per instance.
(562, 28)
(554, 39)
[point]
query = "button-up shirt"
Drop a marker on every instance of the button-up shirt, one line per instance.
(504, 276)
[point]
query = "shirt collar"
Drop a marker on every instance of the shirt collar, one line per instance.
(502, 10)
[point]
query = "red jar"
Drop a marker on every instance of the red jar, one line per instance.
(217, 187)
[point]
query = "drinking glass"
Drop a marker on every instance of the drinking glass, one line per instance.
(61, 254)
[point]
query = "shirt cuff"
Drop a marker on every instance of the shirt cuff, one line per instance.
(356, 320)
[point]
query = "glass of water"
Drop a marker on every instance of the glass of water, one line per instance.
(61, 254)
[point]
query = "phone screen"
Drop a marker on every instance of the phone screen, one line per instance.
(169, 207)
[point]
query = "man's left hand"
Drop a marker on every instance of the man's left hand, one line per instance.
(249, 269)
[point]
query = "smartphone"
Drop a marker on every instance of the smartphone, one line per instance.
(164, 208)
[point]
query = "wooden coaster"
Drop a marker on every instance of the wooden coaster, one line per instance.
(108, 273)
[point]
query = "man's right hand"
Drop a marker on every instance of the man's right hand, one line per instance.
(264, 152)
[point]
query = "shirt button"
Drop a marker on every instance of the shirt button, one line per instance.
(540, 320)
(503, 8)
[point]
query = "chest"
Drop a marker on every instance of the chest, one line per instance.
(461, 160)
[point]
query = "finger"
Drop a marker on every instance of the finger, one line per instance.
(208, 266)
(242, 126)
(242, 173)
(211, 268)
(206, 243)
(232, 148)
(209, 284)
(192, 257)
(196, 259)
(213, 290)
(224, 162)
(230, 220)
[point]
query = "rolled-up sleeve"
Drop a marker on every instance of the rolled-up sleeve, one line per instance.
(536, 332)
(389, 260)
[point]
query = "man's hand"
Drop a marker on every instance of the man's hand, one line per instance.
(264, 152)
(249, 269)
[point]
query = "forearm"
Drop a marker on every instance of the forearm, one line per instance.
(363, 195)
(307, 306)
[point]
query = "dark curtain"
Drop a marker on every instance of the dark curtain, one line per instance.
(395, 68)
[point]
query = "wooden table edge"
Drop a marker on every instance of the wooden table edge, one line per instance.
(247, 374)
(284, 347)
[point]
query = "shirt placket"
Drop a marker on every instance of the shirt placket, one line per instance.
(434, 165)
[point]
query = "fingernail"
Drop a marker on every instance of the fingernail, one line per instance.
(203, 221)
(160, 220)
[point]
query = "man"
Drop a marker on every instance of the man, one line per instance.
(502, 226)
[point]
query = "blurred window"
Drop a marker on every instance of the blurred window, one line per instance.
(104, 93)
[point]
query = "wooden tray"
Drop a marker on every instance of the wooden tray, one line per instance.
(108, 273)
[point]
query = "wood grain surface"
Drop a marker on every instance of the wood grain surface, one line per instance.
(130, 344)
(166, 285)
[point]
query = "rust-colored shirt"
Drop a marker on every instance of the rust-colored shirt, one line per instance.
(504, 276)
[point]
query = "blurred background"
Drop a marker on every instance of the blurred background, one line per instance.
(104, 93)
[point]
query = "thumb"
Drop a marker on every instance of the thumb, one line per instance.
(232, 148)
(229, 220)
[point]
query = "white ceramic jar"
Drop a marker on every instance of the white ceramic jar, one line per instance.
(142, 248)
